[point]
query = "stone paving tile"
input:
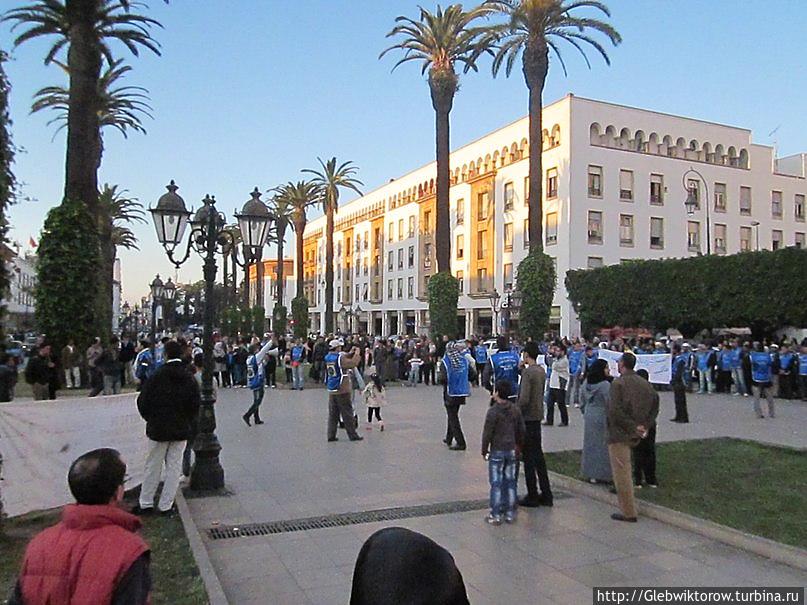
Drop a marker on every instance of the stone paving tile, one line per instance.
(286, 470)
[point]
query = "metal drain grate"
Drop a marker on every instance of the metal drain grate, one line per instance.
(373, 516)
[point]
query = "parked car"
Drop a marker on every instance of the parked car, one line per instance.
(15, 349)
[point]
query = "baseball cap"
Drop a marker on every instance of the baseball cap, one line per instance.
(336, 342)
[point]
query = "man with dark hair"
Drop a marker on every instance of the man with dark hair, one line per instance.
(502, 365)
(38, 372)
(94, 555)
(632, 410)
(531, 404)
(8, 377)
(169, 403)
(678, 383)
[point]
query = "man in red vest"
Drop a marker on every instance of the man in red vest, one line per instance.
(94, 555)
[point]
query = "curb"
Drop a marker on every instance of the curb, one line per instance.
(215, 593)
(770, 549)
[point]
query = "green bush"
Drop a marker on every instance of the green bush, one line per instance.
(299, 313)
(761, 290)
(444, 291)
(535, 281)
(258, 320)
(7, 181)
(67, 276)
(279, 319)
(245, 323)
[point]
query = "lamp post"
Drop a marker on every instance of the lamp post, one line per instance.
(169, 294)
(207, 238)
(692, 204)
(495, 305)
(357, 314)
(136, 316)
(755, 225)
(157, 289)
(512, 302)
(343, 314)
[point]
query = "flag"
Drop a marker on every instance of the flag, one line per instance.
(32, 242)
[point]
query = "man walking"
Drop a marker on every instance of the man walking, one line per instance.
(457, 364)
(94, 352)
(576, 372)
(632, 410)
(531, 403)
(256, 377)
(678, 383)
(503, 365)
(338, 369)
(38, 372)
(169, 403)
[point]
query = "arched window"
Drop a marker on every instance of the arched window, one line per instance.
(554, 138)
(594, 134)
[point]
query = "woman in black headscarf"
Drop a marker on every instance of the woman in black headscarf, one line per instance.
(595, 464)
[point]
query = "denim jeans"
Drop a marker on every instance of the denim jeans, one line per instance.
(298, 376)
(503, 475)
(706, 381)
(414, 374)
(111, 385)
(739, 381)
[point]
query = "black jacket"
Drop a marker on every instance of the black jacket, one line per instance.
(169, 403)
(37, 371)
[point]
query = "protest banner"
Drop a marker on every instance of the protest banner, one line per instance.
(658, 365)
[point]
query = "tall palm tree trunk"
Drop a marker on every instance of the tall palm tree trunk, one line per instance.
(281, 236)
(299, 228)
(329, 270)
(536, 65)
(442, 101)
(83, 145)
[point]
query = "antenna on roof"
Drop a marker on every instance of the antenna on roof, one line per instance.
(775, 141)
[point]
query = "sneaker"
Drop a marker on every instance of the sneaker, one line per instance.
(246, 419)
(621, 517)
(637, 486)
(382, 427)
(357, 438)
(492, 519)
(528, 502)
(577, 405)
(653, 485)
(142, 512)
(331, 439)
(564, 424)
(509, 519)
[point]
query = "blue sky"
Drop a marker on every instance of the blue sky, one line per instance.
(248, 93)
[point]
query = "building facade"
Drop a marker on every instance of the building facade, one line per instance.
(616, 180)
(19, 301)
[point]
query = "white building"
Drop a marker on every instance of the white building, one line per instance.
(19, 301)
(615, 183)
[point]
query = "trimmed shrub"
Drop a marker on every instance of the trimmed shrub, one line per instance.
(444, 291)
(760, 290)
(279, 317)
(535, 281)
(299, 313)
(258, 320)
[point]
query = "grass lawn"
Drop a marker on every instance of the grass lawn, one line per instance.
(756, 488)
(175, 578)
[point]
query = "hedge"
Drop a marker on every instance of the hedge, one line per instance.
(535, 281)
(279, 315)
(444, 291)
(760, 290)
(299, 313)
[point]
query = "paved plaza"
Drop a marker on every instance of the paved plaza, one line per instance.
(286, 470)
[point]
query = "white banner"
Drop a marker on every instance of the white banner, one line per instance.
(658, 365)
(39, 440)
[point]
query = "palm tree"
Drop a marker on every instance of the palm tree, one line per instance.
(282, 212)
(85, 28)
(330, 178)
(439, 41)
(120, 107)
(531, 29)
(300, 196)
(118, 212)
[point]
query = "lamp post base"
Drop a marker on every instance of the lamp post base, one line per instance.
(207, 473)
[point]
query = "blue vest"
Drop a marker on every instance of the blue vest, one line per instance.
(297, 353)
(679, 369)
(505, 367)
(802, 364)
(145, 365)
(592, 359)
(761, 363)
(255, 374)
(457, 382)
(481, 354)
(736, 358)
(703, 360)
(725, 359)
(575, 357)
(333, 372)
(785, 359)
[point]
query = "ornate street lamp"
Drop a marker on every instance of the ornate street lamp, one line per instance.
(169, 294)
(495, 305)
(157, 289)
(692, 203)
(357, 314)
(208, 237)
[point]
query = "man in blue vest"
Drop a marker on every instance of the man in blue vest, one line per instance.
(457, 372)
(803, 370)
(591, 355)
(706, 362)
(298, 354)
(762, 378)
(338, 370)
(737, 374)
(503, 365)
(480, 359)
(787, 372)
(256, 378)
(678, 383)
(576, 372)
